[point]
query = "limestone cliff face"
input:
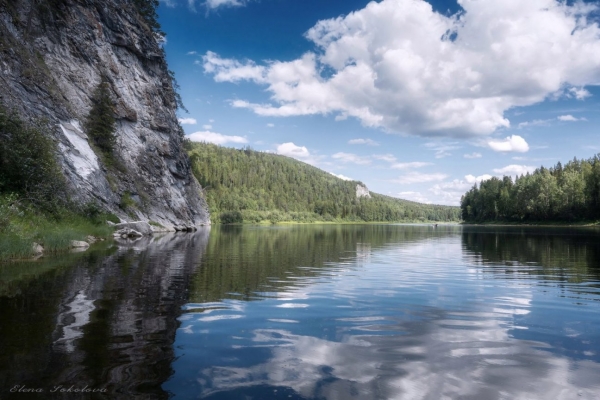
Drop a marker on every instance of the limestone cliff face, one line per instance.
(53, 54)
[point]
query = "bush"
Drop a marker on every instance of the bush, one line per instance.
(28, 165)
(231, 217)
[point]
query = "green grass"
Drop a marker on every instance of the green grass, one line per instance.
(21, 226)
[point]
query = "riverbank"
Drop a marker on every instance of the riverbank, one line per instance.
(26, 232)
(534, 223)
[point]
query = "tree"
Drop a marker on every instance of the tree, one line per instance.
(100, 123)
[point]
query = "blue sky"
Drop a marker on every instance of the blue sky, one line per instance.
(417, 99)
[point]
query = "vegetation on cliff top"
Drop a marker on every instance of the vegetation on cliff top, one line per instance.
(562, 193)
(251, 186)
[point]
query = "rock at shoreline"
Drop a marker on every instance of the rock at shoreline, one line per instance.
(79, 244)
(142, 227)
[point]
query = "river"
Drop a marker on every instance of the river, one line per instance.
(309, 312)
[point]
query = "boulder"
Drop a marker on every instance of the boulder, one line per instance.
(143, 227)
(37, 249)
(127, 233)
(79, 244)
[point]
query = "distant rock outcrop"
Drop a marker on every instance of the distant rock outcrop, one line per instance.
(362, 191)
(52, 57)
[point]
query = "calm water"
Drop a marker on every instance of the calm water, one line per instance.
(310, 312)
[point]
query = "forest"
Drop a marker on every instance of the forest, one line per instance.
(244, 185)
(567, 193)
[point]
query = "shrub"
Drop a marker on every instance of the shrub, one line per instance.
(28, 165)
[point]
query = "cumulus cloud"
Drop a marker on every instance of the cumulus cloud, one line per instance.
(216, 138)
(345, 178)
(351, 158)
(511, 143)
(471, 179)
(270, 125)
(291, 150)
(570, 118)
(473, 155)
(417, 177)
(187, 121)
(410, 165)
(514, 170)
(369, 142)
(401, 66)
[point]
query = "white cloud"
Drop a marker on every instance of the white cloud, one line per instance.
(579, 93)
(471, 179)
(385, 157)
(345, 178)
(214, 4)
(400, 66)
(225, 70)
(291, 150)
(191, 53)
(216, 138)
(270, 125)
(409, 165)
(369, 142)
(442, 149)
(168, 3)
(514, 170)
(187, 121)
(570, 118)
(535, 122)
(473, 155)
(207, 127)
(351, 158)
(511, 143)
(417, 177)
(414, 196)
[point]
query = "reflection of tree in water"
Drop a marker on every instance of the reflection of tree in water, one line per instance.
(107, 322)
(564, 254)
(243, 260)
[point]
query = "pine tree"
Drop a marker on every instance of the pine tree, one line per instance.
(100, 124)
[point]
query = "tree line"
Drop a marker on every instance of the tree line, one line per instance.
(251, 186)
(560, 193)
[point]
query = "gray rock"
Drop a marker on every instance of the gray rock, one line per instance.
(37, 249)
(79, 244)
(127, 233)
(105, 37)
(143, 227)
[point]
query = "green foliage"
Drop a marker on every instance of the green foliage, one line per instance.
(22, 224)
(127, 201)
(147, 10)
(100, 123)
(231, 217)
(273, 188)
(568, 193)
(28, 165)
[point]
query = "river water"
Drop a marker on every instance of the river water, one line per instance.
(309, 312)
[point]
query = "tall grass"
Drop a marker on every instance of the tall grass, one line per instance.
(21, 226)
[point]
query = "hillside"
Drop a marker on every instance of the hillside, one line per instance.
(251, 186)
(560, 193)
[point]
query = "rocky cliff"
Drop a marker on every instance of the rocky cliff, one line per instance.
(53, 55)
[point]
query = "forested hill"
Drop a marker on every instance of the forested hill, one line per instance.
(560, 193)
(251, 186)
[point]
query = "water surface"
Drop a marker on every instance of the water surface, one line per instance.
(313, 312)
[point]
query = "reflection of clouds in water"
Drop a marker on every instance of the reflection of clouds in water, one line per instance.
(432, 361)
(78, 312)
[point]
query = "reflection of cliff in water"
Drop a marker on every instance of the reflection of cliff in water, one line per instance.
(105, 322)
(243, 260)
(564, 254)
